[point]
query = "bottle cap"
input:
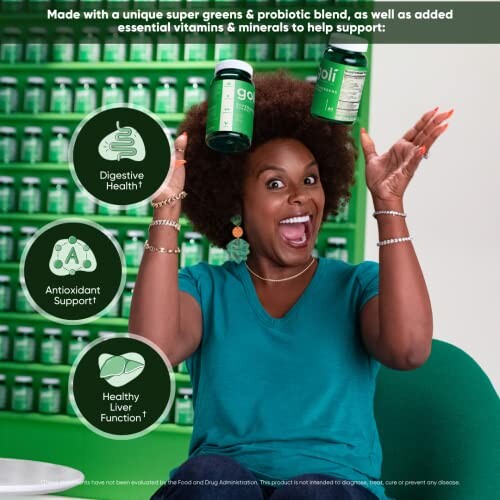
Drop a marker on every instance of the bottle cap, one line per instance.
(348, 42)
(234, 64)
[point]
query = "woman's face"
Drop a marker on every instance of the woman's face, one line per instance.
(283, 201)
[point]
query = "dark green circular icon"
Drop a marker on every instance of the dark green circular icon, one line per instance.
(71, 271)
(120, 155)
(122, 387)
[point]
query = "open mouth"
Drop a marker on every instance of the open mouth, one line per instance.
(296, 231)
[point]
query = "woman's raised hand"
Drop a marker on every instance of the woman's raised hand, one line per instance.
(176, 176)
(388, 174)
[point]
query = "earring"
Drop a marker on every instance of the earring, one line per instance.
(238, 249)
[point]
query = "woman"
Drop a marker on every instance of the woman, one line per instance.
(283, 348)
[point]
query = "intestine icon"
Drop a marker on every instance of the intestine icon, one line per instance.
(124, 142)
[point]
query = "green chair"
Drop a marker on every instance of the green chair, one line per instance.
(439, 422)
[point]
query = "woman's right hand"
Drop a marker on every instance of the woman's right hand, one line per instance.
(174, 182)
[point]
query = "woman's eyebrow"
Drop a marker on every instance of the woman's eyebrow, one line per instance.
(264, 168)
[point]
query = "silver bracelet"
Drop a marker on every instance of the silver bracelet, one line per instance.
(166, 222)
(394, 240)
(388, 212)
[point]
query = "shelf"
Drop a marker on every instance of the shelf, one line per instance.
(71, 117)
(24, 318)
(66, 419)
(34, 167)
(126, 220)
(40, 368)
(119, 67)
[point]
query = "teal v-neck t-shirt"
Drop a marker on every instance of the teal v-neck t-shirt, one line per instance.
(292, 395)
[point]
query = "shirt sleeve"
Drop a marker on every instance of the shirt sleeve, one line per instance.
(367, 277)
(189, 283)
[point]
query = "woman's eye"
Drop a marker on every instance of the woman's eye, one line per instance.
(274, 184)
(311, 179)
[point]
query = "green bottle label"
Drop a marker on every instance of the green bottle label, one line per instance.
(231, 107)
(338, 91)
(34, 100)
(29, 201)
(58, 150)
(114, 52)
(10, 52)
(85, 100)
(22, 398)
(4, 298)
(8, 100)
(89, 52)
(167, 52)
(4, 347)
(51, 352)
(75, 347)
(83, 204)
(36, 52)
(3, 397)
(112, 96)
(191, 254)
(184, 412)
(61, 100)
(49, 400)
(62, 52)
(166, 100)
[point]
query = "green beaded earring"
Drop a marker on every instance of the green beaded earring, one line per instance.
(238, 249)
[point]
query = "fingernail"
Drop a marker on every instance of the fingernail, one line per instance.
(184, 133)
(363, 130)
(179, 163)
(445, 126)
(422, 150)
(435, 109)
(450, 112)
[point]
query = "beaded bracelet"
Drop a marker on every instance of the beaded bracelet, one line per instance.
(169, 200)
(151, 248)
(388, 212)
(394, 240)
(166, 222)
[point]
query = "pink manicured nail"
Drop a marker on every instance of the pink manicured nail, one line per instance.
(450, 112)
(363, 130)
(422, 150)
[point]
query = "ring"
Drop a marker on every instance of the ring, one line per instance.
(180, 149)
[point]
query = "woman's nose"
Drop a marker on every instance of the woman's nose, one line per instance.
(298, 195)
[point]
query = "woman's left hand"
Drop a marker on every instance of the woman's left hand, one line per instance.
(388, 174)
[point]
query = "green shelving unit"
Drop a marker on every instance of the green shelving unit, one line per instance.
(64, 439)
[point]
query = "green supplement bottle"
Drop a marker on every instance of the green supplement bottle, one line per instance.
(127, 298)
(134, 247)
(141, 48)
(195, 48)
(49, 397)
(107, 209)
(83, 204)
(22, 303)
(166, 95)
(138, 210)
(139, 93)
(79, 340)
(114, 46)
(182, 367)
(51, 351)
(12, 6)
(255, 50)
(38, 5)
(286, 49)
(85, 95)
(63, 48)
(313, 51)
(7, 194)
(8, 94)
(112, 92)
(25, 235)
(194, 92)
(3, 392)
(8, 145)
(4, 343)
(11, 49)
(192, 249)
(231, 105)
(336, 249)
(36, 46)
(89, 48)
(217, 256)
(6, 244)
(22, 393)
(31, 145)
(225, 48)
(35, 95)
(58, 196)
(29, 196)
(59, 145)
(5, 293)
(184, 414)
(341, 76)
(24, 344)
(167, 48)
(61, 95)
